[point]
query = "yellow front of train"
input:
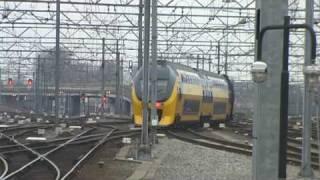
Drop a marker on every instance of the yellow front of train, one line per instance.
(166, 96)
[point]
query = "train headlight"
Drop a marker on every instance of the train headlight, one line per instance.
(259, 71)
(312, 73)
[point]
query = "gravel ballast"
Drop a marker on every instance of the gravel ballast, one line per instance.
(180, 160)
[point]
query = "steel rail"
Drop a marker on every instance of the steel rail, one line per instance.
(21, 127)
(21, 133)
(227, 146)
(87, 155)
(211, 145)
(33, 152)
(299, 142)
(5, 165)
(93, 139)
(101, 142)
(43, 156)
(244, 146)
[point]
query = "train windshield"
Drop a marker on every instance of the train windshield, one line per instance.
(162, 87)
(165, 83)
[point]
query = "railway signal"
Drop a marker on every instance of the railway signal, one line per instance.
(130, 67)
(10, 82)
(104, 99)
(29, 83)
(82, 96)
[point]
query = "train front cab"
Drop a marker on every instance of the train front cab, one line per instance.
(167, 96)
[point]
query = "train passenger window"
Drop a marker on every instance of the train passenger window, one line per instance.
(183, 78)
(207, 96)
(219, 107)
(191, 107)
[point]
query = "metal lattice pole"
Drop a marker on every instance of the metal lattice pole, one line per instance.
(306, 170)
(37, 84)
(103, 81)
(154, 116)
(218, 51)
(140, 34)
(145, 125)
(118, 74)
(57, 67)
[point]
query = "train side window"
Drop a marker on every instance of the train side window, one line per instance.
(207, 96)
(183, 78)
(191, 107)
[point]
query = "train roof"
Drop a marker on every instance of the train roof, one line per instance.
(178, 66)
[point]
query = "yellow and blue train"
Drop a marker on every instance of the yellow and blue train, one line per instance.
(186, 95)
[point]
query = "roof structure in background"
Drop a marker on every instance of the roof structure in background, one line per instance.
(188, 29)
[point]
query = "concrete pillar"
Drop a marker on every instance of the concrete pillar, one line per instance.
(267, 113)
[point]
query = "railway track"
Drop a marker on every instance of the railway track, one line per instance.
(39, 157)
(191, 136)
(75, 119)
(57, 158)
(294, 137)
(10, 149)
(48, 160)
(4, 167)
(294, 128)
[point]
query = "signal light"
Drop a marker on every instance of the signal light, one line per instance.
(82, 97)
(158, 105)
(104, 99)
(29, 82)
(10, 82)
